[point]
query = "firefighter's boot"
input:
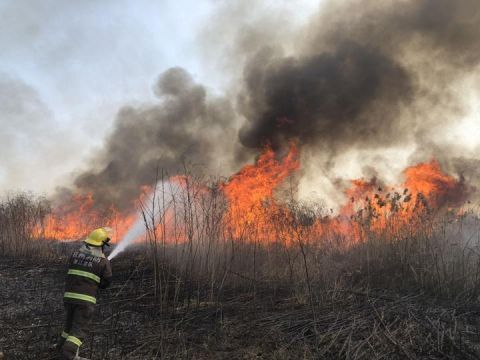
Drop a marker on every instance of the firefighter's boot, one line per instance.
(77, 357)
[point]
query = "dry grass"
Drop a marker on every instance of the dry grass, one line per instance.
(435, 251)
(22, 217)
(404, 291)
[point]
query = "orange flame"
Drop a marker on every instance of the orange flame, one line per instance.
(250, 192)
(253, 206)
(426, 190)
(74, 219)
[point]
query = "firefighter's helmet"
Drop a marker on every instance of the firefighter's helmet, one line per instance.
(99, 237)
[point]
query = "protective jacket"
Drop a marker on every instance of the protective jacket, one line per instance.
(88, 270)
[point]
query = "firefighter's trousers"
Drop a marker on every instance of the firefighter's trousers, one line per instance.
(77, 322)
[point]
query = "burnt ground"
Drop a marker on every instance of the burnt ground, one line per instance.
(271, 325)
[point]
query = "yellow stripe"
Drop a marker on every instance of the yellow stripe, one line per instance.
(83, 297)
(84, 274)
(64, 335)
(74, 340)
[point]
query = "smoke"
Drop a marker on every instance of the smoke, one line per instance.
(29, 135)
(363, 77)
(365, 84)
(184, 128)
(369, 74)
(335, 97)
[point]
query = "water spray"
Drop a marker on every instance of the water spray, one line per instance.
(138, 228)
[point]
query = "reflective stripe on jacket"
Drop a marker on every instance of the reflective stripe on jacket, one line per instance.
(88, 270)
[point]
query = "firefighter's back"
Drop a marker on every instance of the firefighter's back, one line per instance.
(88, 270)
(88, 266)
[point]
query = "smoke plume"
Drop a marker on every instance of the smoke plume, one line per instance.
(359, 75)
(368, 74)
(29, 135)
(185, 127)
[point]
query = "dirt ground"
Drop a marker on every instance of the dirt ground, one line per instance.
(128, 324)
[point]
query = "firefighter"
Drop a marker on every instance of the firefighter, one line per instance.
(88, 270)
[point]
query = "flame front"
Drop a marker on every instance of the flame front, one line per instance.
(255, 213)
(74, 219)
(250, 192)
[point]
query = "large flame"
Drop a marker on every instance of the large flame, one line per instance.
(425, 188)
(425, 191)
(74, 219)
(250, 192)
(254, 210)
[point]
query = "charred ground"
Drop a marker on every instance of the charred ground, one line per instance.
(258, 320)
(398, 278)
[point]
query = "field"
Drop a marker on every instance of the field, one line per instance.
(275, 179)
(267, 324)
(397, 291)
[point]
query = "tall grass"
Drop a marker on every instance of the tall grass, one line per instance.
(22, 216)
(198, 257)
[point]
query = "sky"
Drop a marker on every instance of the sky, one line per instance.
(66, 68)
(77, 65)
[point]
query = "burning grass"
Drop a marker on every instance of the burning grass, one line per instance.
(21, 217)
(406, 299)
(395, 273)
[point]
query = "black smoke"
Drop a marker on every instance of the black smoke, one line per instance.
(359, 75)
(363, 76)
(184, 128)
(328, 96)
